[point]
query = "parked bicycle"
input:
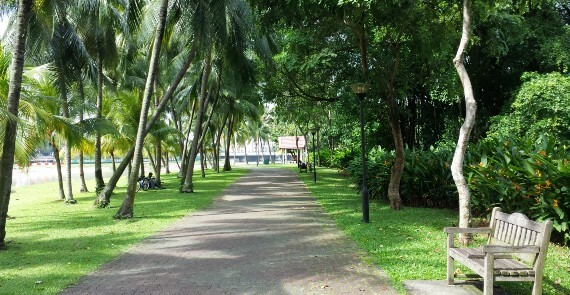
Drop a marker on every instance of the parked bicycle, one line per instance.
(144, 183)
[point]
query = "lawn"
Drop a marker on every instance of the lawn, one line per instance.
(51, 244)
(410, 244)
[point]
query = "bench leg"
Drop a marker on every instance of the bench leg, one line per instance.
(537, 286)
(450, 270)
(488, 278)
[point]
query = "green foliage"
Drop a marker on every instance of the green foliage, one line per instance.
(426, 181)
(518, 175)
(522, 175)
(342, 158)
(541, 105)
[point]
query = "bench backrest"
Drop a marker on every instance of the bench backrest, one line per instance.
(517, 230)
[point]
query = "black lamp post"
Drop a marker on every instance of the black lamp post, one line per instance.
(360, 90)
(313, 131)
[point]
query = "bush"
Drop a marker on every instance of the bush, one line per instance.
(342, 158)
(521, 175)
(426, 181)
(325, 157)
(518, 175)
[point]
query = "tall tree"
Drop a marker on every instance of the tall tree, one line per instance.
(465, 131)
(126, 210)
(14, 92)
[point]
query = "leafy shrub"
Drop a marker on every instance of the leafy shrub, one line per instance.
(378, 165)
(342, 158)
(518, 175)
(521, 175)
(325, 157)
(426, 181)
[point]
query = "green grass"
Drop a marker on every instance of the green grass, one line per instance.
(410, 244)
(51, 244)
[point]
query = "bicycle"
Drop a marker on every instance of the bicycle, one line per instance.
(144, 183)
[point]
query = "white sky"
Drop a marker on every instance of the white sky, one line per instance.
(3, 24)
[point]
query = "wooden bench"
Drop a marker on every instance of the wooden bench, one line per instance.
(515, 251)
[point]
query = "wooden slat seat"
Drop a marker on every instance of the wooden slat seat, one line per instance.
(515, 251)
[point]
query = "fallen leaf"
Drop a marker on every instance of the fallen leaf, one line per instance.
(39, 282)
(558, 281)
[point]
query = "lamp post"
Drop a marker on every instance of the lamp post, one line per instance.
(360, 90)
(313, 131)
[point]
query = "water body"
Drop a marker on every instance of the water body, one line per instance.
(47, 172)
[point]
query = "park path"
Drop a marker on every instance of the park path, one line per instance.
(265, 235)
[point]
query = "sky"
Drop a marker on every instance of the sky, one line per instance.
(3, 24)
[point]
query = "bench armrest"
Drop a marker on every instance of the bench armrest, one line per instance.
(468, 230)
(510, 249)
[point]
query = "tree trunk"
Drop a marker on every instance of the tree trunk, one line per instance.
(186, 141)
(82, 173)
(158, 162)
(14, 90)
(256, 151)
(99, 181)
(217, 145)
(227, 165)
(394, 121)
(188, 186)
(166, 162)
(398, 167)
(81, 115)
(113, 160)
(465, 131)
(202, 162)
(58, 169)
(65, 108)
(126, 210)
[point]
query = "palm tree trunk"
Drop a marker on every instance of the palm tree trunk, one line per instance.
(158, 158)
(245, 152)
(81, 115)
(82, 173)
(113, 160)
(65, 108)
(465, 131)
(185, 149)
(256, 151)
(188, 186)
(227, 165)
(99, 181)
(14, 90)
(58, 169)
(202, 161)
(166, 162)
(127, 210)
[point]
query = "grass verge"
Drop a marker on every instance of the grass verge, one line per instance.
(51, 244)
(410, 244)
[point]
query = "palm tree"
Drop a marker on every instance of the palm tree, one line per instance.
(99, 23)
(8, 146)
(126, 210)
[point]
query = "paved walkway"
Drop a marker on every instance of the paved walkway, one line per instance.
(265, 235)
